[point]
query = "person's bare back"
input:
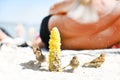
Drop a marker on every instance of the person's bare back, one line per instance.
(101, 34)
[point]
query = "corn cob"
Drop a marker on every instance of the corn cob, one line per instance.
(54, 50)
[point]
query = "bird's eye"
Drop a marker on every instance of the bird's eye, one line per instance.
(37, 49)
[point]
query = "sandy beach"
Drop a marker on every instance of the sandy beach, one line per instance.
(17, 63)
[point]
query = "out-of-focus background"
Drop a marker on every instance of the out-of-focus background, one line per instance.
(23, 17)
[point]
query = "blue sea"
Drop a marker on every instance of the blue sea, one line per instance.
(10, 28)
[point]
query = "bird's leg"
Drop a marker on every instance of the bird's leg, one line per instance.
(66, 66)
(38, 63)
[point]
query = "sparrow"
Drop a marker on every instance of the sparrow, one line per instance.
(36, 48)
(97, 62)
(38, 53)
(56, 64)
(74, 63)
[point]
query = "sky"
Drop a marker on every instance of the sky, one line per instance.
(24, 11)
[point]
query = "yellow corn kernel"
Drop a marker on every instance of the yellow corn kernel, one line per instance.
(54, 48)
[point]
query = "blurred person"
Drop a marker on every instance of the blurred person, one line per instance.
(83, 24)
(4, 35)
(32, 33)
(20, 31)
(6, 38)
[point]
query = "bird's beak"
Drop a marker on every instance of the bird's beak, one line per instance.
(85, 2)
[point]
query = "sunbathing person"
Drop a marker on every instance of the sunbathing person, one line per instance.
(6, 38)
(4, 35)
(84, 24)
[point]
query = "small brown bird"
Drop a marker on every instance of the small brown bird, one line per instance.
(38, 53)
(36, 48)
(97, 62)
(74, 63)
(56, 64)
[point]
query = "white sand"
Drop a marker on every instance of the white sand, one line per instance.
(17, 64)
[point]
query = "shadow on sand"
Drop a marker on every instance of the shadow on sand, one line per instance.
(33, 65)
